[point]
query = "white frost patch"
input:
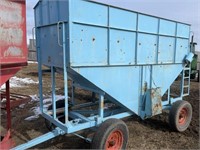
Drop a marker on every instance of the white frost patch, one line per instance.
(21, 106)
(13, 51)
(11, 12)
(12, 36)
(3, 100)
(32, 62)
(34, 98)
(36, 111)
(19, 82)
(47, 102)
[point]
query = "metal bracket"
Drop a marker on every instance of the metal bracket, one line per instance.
(58, 32)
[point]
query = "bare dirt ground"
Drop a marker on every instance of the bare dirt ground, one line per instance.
(153, 133)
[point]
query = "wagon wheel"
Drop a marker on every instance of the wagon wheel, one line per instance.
(111, 135)
(180, 115)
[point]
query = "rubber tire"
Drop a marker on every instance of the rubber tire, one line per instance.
(103, 132)
(174, 115)
(59, 104)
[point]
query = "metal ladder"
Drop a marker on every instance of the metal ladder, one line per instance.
(186, 81)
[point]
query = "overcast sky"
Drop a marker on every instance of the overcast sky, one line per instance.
(187, 11)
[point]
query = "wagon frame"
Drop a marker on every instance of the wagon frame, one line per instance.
(76, 118)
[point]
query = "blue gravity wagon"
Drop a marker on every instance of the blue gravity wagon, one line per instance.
(127, 59)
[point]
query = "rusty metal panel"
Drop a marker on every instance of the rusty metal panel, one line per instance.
(156, 101)
(13, 47)
(151, 102)
(13, 32)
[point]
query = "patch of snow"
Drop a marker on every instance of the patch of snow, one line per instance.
(19, 82)
(47, 102)
(34, 98)
(3, 100)
(108, 105)
(31, 118)
(21, 106)
(57, 97)
(32, 62)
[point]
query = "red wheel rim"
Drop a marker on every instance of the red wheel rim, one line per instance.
(114, 141)
(183, 116)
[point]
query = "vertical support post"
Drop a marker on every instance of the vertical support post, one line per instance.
(65, 76)
(168, 95)
(40, 84)
(141, 91)
(158, 42)
(39, 70)
(53, 91)
(73, 90)
(151, 77)
(174, 59)
(8, 105)
(101, 106)
(136, 40)
(108, 23)
(93, 96)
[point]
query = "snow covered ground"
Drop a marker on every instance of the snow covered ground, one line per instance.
(19, 82)
(32, 62)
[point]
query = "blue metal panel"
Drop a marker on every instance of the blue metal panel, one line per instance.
(146, 49)
(183, 30)
(166, 49)
(182, 49)
(45, 12)
(167, 27)
(38, 16)
(122, 47)
(62, 10)
(147, 24)
(88, 46)
(122, 85)
(51, 53)
(53, 7)
(128, 21)
(87, 12)
(164, 75)
(50, 12)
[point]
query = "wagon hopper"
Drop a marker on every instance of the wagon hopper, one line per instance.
(127, 58)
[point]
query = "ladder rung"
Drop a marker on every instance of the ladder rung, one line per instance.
(186, 78)
(187, 86)
(186, 69)
(186, 94)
